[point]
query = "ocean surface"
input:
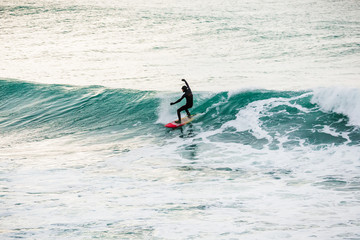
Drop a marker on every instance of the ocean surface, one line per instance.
(85, 91)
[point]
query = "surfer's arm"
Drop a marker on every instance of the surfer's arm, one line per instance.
(178, 100)
(186, 84)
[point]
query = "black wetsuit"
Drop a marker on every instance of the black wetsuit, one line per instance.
(189, 102)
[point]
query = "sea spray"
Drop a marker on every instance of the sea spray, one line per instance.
(340, 100)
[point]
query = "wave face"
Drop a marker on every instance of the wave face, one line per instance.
(260, 118)
(54, 110)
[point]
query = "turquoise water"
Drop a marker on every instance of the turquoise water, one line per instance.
(259, 118)
(85, 88)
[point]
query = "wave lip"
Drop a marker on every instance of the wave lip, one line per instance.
(339, 100)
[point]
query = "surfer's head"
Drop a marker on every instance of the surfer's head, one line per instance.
(184, 88)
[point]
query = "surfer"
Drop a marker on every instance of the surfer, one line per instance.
(189, 101)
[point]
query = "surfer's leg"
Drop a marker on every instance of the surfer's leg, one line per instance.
(188, 113)
(179, 114)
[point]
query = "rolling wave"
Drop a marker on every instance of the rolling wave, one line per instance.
(259, 118)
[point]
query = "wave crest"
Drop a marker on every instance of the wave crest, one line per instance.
(339, 100)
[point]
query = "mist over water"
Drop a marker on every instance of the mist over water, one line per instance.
(85, 88)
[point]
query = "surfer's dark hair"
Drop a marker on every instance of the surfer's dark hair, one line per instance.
(184, 88)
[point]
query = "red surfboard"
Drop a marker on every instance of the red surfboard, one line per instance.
(184, 120)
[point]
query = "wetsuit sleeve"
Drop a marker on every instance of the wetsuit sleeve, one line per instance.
(187, 84)
(180, 99)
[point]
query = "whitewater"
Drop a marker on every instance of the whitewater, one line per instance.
(85, 92)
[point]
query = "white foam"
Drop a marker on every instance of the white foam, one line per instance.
(280, 193)
(248, 117)
(331, 131)
(166, 113)
(340, 100)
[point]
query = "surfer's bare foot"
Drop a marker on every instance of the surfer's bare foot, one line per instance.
(177, 121)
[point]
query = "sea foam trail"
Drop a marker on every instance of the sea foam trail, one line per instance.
(340, 100)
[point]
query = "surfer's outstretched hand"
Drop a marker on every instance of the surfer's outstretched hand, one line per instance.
(172, 103)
